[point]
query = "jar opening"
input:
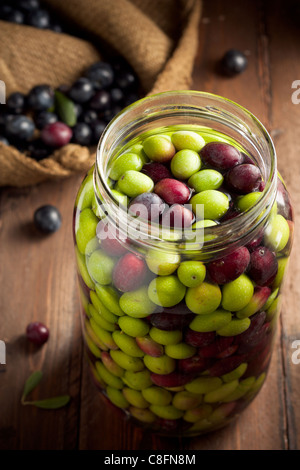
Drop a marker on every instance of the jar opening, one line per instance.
(188, 108)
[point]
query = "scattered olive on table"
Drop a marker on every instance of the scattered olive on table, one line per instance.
(37, 333)
(233, 62)
(47, 219)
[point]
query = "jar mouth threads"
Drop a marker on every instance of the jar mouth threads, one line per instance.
(190, 108)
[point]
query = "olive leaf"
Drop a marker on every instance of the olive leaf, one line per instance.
(48, 403)
(32, 382)
(51, 403)
(65, 108)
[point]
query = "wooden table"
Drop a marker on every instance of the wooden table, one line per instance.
(38, 281)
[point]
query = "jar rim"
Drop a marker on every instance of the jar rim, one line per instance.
(229, 232)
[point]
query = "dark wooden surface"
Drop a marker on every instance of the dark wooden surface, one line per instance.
(38, 282)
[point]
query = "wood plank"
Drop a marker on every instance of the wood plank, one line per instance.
(223, 28)
(284, 32)
(38, 282)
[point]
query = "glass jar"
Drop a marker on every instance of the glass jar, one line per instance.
(177, 369)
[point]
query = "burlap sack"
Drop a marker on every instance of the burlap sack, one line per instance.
(157, 37)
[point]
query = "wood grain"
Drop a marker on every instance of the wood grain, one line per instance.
(38, 281)
(284, 33)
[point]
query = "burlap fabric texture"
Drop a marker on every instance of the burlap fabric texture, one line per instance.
(157, 37)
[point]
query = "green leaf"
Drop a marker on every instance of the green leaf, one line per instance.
(65, 108)
(52, 403)
(32, 382)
